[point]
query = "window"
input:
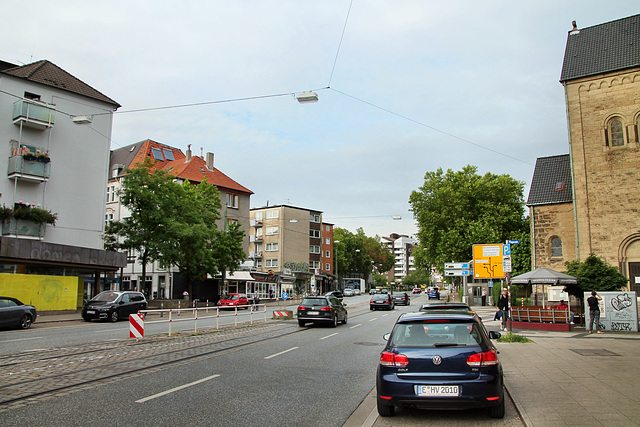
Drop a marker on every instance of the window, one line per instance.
(33, 96)
(271, 263)
(258, 263)
(315, 265)
(271, 246)
(232, 200)
(328, 228)
(108, 218)
(258, 216)
(168, 154)
(314, 249)
(231, 221)
(273, 214)
(157, 154)
(556, 247)
(258, 247)
(314, 233)
(327, 241)
(314, 218)
(614, 136)
(327, 267)
(258, 232)
(271, 230)
(327, 254)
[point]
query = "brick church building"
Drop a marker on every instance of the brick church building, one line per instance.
(588, 201)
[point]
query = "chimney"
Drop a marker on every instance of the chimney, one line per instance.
(210, 161)
(188, 153)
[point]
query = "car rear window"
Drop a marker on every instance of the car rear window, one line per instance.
(315, 301)
(381, 297)
(422, 334)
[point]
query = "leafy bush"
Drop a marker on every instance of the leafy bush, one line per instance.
(511, 337)
(28, 213)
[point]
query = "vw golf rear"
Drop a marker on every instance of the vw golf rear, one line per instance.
(440, 360)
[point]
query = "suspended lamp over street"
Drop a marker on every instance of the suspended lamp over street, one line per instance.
(307, 97)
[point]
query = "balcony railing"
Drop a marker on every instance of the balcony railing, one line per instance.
(33, 114)
(29, 168)
(22, 228)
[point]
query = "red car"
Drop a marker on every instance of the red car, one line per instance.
(234, 300)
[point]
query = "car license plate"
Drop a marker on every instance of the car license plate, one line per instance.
(313, 313)
(438, 390)
(91, 312)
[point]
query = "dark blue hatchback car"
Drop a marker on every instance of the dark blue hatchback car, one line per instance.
(440, 360)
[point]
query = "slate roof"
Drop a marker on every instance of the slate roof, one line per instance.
(195, 170)
(551, 182)
(49, 74)
(602, 48)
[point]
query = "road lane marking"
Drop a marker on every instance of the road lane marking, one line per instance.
(281, 353)
(329, 336)
(371, 320)
(355, 326)
(22, 339)
(176, 389)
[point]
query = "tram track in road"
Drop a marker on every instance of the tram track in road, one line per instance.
(30, 377)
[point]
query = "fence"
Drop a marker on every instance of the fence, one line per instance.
(194, 314)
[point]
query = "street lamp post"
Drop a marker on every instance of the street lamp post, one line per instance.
(336, 260)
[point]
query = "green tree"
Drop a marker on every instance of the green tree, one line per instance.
(455, 210)
(593, 275)
(416, 278)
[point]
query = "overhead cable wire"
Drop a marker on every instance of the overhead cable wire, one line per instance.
(386, 110)
(344, 29)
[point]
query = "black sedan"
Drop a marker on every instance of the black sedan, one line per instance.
(440, 360)
(401, 298)
(322, 309)
(114, 305)
(14, 313)
(381, 301)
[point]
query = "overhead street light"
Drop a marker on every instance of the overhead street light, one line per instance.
(307, 97)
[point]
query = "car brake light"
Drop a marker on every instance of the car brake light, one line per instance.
(388, 358)
(486, 358)
(325, 309)
(301, 308)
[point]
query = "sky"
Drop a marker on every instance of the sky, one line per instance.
(405, 87)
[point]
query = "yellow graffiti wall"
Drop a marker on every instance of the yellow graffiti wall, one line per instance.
(45, 293)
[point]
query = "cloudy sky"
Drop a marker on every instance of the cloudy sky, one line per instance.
(405, 87)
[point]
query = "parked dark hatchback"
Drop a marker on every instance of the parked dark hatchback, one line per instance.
(381, 301)
(14, 313)
(322, 309)
(401, 298)
(114, 305)
(440, 360)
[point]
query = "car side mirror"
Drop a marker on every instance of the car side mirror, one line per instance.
(494, 335)
(386, 336)
(344, 304)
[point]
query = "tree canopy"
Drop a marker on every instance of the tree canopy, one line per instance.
(593, 275)
(359, 254)
(455, 210)
(174, 224)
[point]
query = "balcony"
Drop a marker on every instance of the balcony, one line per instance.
(22, 228)
(255, 239)
(33, 114)
(29, 168)
(256, 223)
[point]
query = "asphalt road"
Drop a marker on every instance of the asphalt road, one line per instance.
(272, 374)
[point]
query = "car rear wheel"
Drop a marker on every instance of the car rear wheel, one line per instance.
(497, 411)
(114, 316)
(25, 322)
(385, 410)
(301, 323)
(344, 321)
(334, 322)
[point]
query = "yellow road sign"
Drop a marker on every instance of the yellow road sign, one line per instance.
(487, 262)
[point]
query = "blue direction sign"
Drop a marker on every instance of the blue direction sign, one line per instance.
(513, 242)
(285, 295)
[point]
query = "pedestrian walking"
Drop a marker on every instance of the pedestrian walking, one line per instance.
(503, 306)
(594, 311)
(484, 297)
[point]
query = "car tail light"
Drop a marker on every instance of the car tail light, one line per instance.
(371, 301)
(388, 358)
(325, 308)
(486, 358)
(301, 308)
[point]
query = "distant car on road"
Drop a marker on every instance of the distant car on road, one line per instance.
(113, 305)
(348, 292)
(372, 291)
(401, 298)
(337, 294)
(13, 313)
(433, 293)
(416, 290)
(322, 309)
(234, 300)
(381, 301)
(440, 360)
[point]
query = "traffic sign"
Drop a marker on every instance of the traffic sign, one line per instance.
(285, 295)
(506, 250)
(512, 242)
(457, 273)
(506, 263)
(487, 261)
(457, 266)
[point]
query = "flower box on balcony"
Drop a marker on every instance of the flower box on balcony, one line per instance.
(22, 227)
(34, 114)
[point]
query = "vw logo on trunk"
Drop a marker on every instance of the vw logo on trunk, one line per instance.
(436, 360)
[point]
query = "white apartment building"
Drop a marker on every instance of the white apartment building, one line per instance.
(54, 148)
(401, 246)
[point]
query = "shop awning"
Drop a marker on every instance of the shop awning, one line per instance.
(243, 276)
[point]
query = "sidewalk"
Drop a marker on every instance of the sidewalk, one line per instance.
(572, 378)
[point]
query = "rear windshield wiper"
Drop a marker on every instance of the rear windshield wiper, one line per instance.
(447, 344)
